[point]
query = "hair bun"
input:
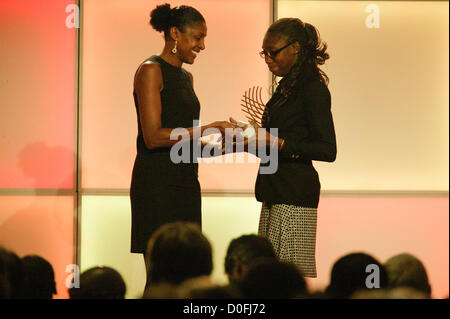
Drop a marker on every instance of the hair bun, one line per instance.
(160, 16)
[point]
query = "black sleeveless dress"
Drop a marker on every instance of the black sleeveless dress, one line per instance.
(162, 191)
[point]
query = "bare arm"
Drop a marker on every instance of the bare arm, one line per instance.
(148, 84)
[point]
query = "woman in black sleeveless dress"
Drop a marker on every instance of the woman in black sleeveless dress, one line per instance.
(161, 190)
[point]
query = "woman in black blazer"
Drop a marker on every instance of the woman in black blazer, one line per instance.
(300, 109)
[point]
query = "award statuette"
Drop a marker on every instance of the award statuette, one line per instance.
(253, 105)
(249, 130)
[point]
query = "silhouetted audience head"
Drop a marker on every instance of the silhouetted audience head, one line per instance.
(215, 292)
(176, 252)
(99, 283)
(12, 274)
(39, 278)
(390, 293)
(271, 279)
(204, 288)
(351, 273)
(245, 251)
(163, 290)
(405, 270)
(317, 294)
(4, 282)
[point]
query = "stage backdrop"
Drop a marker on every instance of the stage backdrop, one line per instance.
(386, 193)
(390, 112)
(37, 131)
(389, 80)
(117, 38)
(389, 88)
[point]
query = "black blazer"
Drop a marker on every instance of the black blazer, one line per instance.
(305, 122)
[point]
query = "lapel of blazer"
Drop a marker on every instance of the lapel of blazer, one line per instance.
(276, 101)
(275, 105)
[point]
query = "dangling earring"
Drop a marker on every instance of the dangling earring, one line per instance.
(174, 50)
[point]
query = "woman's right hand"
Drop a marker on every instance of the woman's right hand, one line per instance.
(222, 125)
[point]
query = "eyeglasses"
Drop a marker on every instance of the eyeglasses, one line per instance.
(272, 54)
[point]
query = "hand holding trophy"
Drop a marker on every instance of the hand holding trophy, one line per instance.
(253, 106)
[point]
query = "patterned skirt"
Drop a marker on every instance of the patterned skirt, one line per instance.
(292, 231)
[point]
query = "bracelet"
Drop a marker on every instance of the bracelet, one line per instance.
(274, 141)
(282, 144)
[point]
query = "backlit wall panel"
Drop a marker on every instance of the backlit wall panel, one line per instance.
(389, 88)
(384, 227)
(381, 227)
(106, 238)
(106, 229)
(37, 77)
(117, 38)
(389, 91)
(40, 225)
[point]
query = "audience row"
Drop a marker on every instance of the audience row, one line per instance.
(180, 263)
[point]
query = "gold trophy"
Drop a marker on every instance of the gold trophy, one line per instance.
(253, 105)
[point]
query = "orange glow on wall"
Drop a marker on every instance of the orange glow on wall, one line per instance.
(384, 227)
(37, 78)
(40, 225)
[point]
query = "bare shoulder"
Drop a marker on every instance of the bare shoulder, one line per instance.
(148, 73)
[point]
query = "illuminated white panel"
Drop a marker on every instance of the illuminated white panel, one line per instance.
(389, 88)
(381, 227)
